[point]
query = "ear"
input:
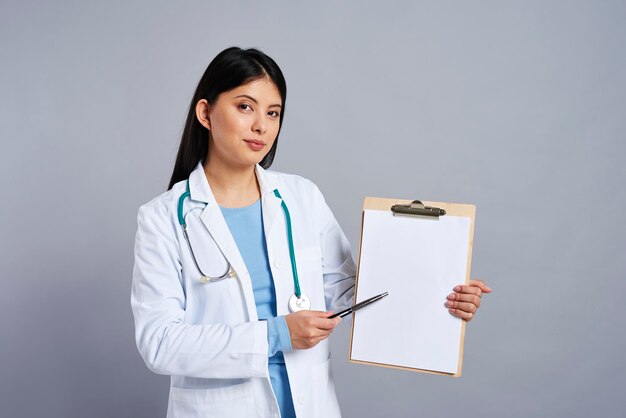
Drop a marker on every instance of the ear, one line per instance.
(202, 113)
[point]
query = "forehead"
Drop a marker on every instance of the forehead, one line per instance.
(263, 90)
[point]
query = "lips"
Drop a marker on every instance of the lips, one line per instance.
(254, 144)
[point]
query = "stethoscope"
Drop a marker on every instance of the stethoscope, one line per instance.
(297, 302)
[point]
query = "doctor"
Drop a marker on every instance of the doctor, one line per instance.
(237, 269)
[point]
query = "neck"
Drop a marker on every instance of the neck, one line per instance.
(232, 187)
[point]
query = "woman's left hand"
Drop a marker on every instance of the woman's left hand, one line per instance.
(465, 300)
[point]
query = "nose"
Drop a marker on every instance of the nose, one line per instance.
(259, 125)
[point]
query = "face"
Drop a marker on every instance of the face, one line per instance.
(243, 123)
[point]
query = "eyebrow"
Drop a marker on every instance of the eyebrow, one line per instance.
(255, 101)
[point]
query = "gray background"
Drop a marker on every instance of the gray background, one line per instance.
(517, 107)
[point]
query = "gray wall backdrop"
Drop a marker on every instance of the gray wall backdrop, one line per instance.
(517, 107)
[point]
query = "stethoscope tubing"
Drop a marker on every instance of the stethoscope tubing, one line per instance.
(205, 278)
(181, 220)
(292, 252)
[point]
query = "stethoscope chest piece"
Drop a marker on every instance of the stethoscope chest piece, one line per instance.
(302, 303)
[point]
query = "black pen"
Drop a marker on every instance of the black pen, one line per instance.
(358, 306)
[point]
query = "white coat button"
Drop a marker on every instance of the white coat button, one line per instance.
(278, 264)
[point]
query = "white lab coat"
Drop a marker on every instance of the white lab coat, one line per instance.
(207, 336)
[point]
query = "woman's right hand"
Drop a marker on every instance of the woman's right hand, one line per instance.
(307, 328)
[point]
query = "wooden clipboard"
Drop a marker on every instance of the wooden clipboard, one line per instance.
(454, 212)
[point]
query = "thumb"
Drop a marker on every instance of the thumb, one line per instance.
(482, 285)
(320, 314)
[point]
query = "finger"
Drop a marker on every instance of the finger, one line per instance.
(461, 314)
(317, 314)
(331, 313)
(479, 283)
(465, 288)
(326, 323)
(311, 317)
(318, 335)
(323, 333)
(462, 297)
(314, 334)
(462, 306)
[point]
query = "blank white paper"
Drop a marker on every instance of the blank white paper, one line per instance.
(418, 261)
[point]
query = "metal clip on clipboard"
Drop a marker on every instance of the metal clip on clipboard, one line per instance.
(417, 208)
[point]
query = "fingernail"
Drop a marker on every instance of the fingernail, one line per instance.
(451, 296)
(457, 288)
(449, 303)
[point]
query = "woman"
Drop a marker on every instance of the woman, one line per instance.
(218, 303)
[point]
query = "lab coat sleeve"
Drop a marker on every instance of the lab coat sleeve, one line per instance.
(338, 267)
(167, 344)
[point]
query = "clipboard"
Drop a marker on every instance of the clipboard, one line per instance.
(432, 237)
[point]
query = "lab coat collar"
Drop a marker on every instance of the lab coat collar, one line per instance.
(199, 188)
(267, 181)
(201, 191)
(269, 201)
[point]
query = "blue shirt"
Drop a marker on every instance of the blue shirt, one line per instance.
(246, 226)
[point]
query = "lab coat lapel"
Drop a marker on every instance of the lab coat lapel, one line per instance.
(276, 238)
(215, 224)
(270, 203)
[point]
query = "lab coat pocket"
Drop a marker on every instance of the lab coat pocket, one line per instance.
(324, 402)
(230, 400)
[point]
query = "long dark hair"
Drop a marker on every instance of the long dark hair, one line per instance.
(230, 69)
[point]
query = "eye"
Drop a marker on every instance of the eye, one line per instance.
(245, 106)
(273, 113)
